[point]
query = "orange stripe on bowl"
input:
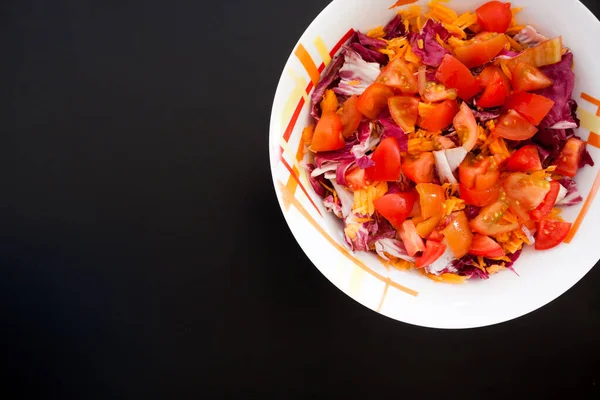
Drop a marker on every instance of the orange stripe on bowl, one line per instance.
(294, 201)
(308, 63)
(594, 139)
(584, 209)
(383, 297)
(294, 176)
(590, 99)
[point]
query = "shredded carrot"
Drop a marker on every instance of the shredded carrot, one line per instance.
(493, 269)
(515, 29)
(498, 148)
(442, 13)
(465, 20)
(410, 12)
(406, 25)
(453, 204)
(376, 32)
(307, 135)
(455, 42)
(514, 12)
(455, 30)
(514, 44)
(555, 215)
(364, 198)
(398, 263)
(329, 102)
(411, 57)
(446, 278)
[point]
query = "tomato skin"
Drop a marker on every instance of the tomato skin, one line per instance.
(485, 246)
(551, 233)
(458, 235)
(441, 116)
(388, 164)
(425, 228)
(374, 100)
(356, 178)
(396, 207)
(433, 251)
(465, 126)
(398, 76)
(454, 74)
(526, 159)
(431, 197)
(530, 106)
(410, 237)
(496, 87)
(488, 220)
(404, 111)
(494, 16)
(546, 53)
(481, 49)
(547, 204)
(419, 169)
(529, 192)
(478, 173)
(435, 92)
(479, 198)
(349, 116)
(527, 77)
(567, 162)
(329, 104)
(328, 133)
(513, 126)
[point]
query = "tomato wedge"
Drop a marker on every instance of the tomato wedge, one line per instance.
(409, 235)
(328, 133)
(397, 75)
(527, 77)
(479, 198)
(388, 165)
(396, 207)
(404, 111)
(465, 126)
(419, 169)
(526, 159)
(551, 233)
(458, 235)
(478, 172)
(494, 16)
(440, 116)
(531, 106)
(496, 87)
(547, 204)
(426, 227)
(433, 251)
(435, 92)
(374, 100)
(514, 127)
(349, 116)
(431, 198)
(569, 159)
(481, 49)
(329, 104)
(546, 53)
(455, 74)
(489, 218)
(528, 191)
(356, 178)
(485, 246)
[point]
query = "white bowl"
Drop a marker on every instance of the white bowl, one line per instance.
(407, 295)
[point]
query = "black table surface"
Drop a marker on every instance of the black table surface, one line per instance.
(142, 249)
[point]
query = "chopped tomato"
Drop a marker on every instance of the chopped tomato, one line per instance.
(527, 190)
(374, 100)
(497, 87)
(521, 212)
(526, 159)
(494, 16)
(526, 77)
(419, 169)
(478, 172)
(356, 178)
(388, 165)
(531, 106)
(514, 127)
(435, 92)
(426, 227)
(481, 49)
(547, 204)
(458, 235)
(567, 162)
(546, 53)
(479, 198)
(466, 127)
(328, 133)
(440, 116)
(350, 116)
(455, 74)
(436, 235)
(404, 111)
(397, 75)
(433, 251)
(329, 104)
(485, 246)
(410, 237)
(488, 222)
(395, 207)
(551, 233)
(431, 198)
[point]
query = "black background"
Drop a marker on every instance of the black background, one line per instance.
(142, 249)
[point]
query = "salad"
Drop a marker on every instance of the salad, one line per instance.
(445, 142)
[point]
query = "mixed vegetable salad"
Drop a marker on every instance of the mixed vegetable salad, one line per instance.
(445, 142)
